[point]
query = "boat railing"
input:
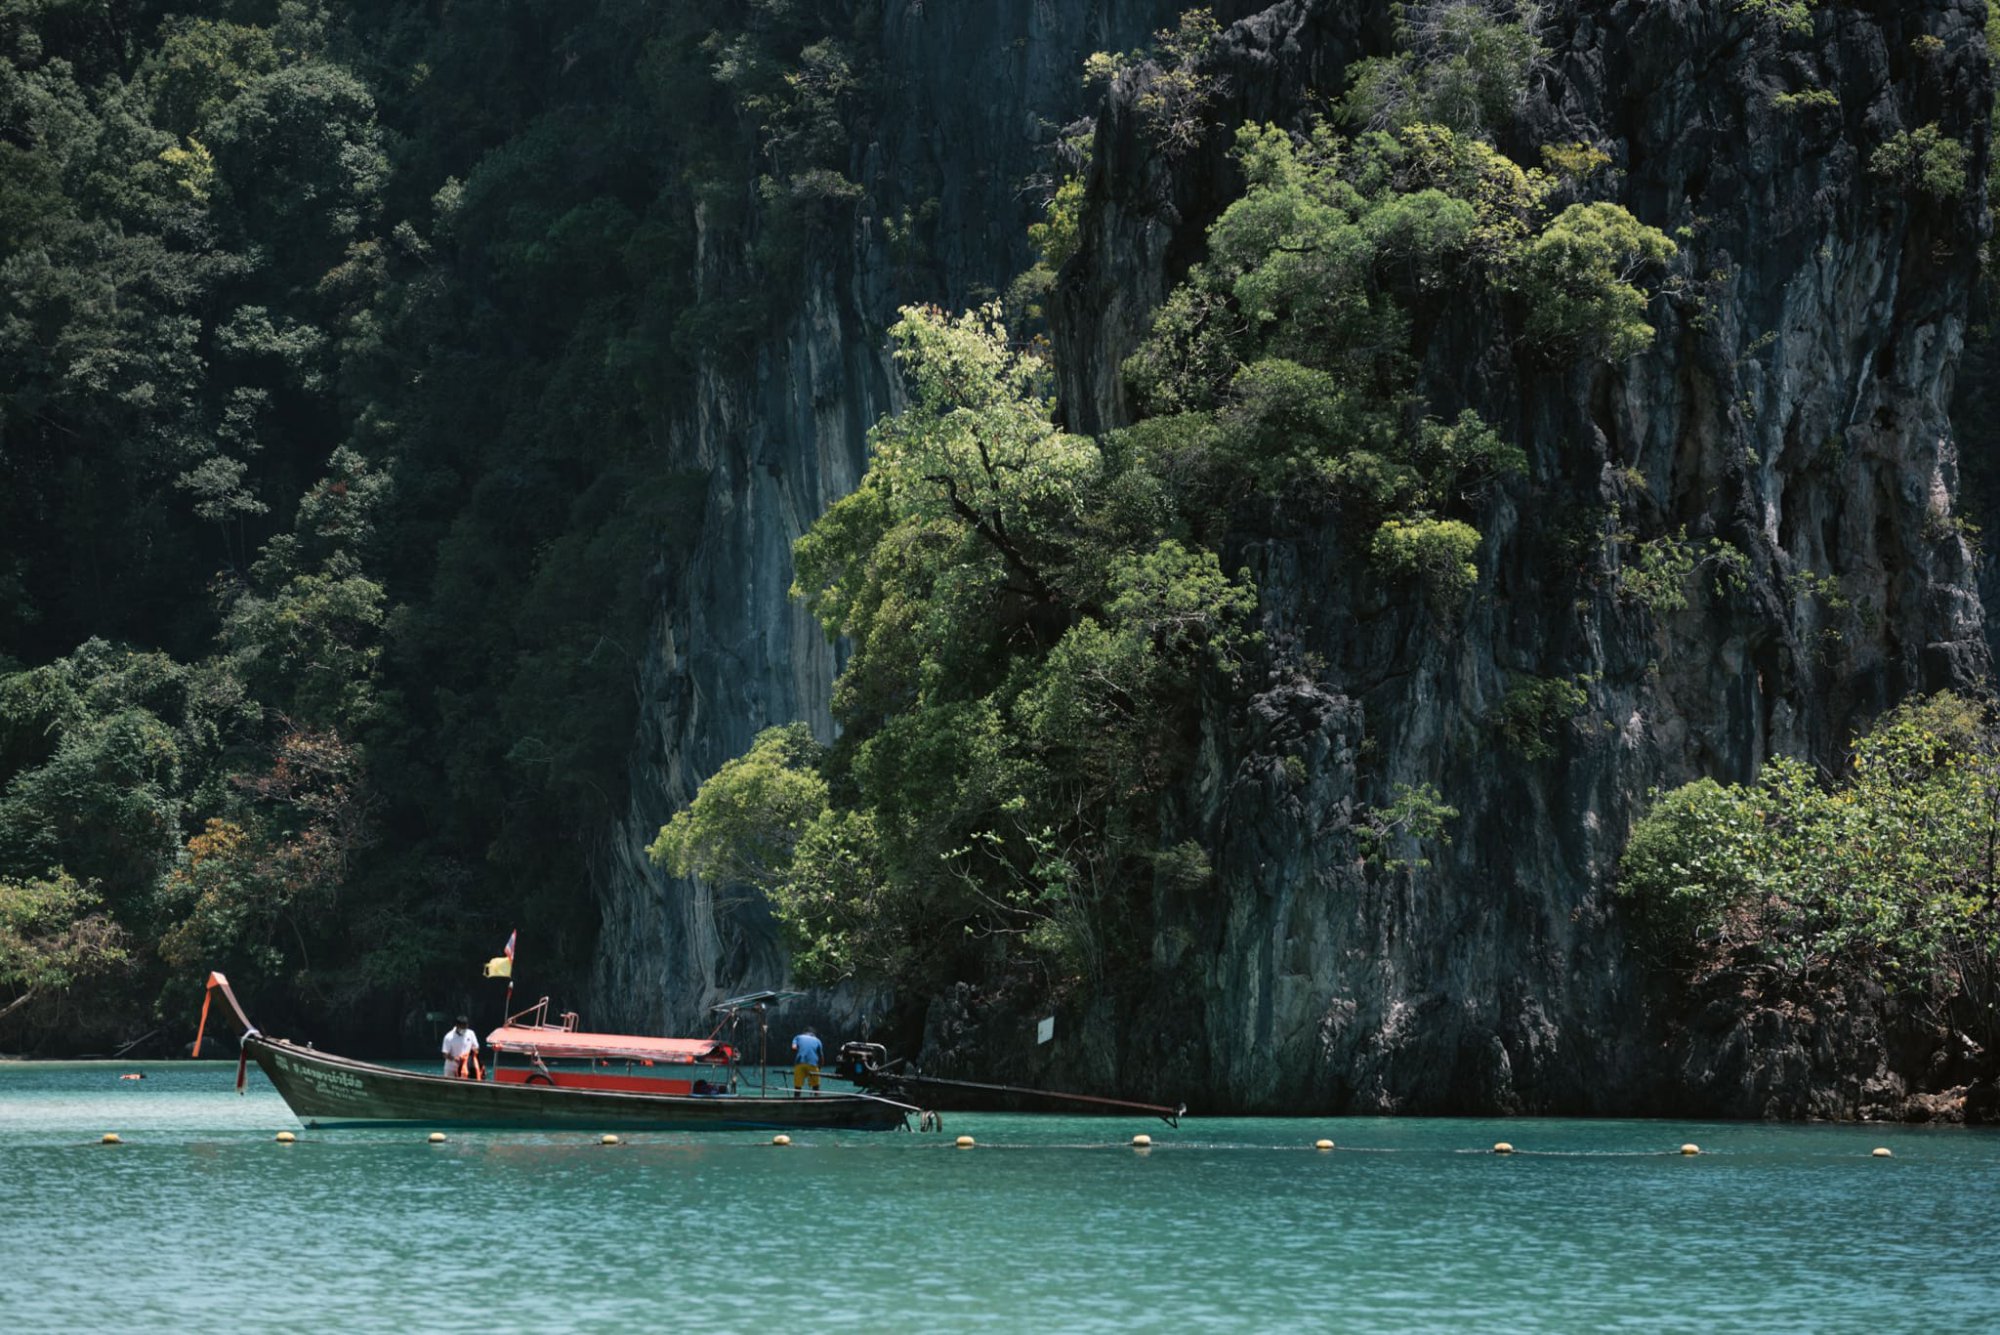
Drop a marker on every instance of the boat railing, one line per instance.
(537, 1017)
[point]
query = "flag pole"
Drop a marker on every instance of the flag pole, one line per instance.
(506, 1009)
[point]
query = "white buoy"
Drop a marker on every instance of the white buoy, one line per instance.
(1881, 1152)
(607, 1140)
(965, 1142)
(1690, 1149)
(284, 1137)
(1322, 1144)
(781, 1140)
(437, 1137)
(1142, 1142)
(1502, 1147)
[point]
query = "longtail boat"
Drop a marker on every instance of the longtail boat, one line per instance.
(569, 1080)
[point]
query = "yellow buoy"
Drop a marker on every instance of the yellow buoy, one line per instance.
(607, 1140)
(965, 1142)
(1503, 1147)
(1882, 1152)
(1690, 1149)
(781, 1140)
(1142, 1142)
(1322, 1144)
(111, 1138)
(284, 1137)
(437, 1137)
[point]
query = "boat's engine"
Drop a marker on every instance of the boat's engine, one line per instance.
(860, 1061)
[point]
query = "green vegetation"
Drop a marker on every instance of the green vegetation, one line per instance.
(1056, 237)
(1794, 16)
(1434, 553)
(1534, 711)
(1025, 648)
(52, 937)
(1807, 99)
(1925, 158)
(1035, 617)
(1887, 874)
(1463, 64)
(1577, 278)
(1174, 104)
(1413, 816)
(1664, 570)
(338, 347)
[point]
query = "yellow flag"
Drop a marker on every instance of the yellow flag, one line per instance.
(499, 967)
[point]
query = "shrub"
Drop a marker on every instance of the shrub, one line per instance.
(1925, 158)
(1794, 16)
(1174, 105)
(1577, 279)
(1463, 64)
(1884, 874)
(1436, 553)
(1412, 815)
(1533, 711)
(1819, 99)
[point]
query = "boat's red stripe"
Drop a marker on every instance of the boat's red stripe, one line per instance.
(625, 1084)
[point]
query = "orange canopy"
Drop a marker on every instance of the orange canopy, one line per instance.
(567, 1043)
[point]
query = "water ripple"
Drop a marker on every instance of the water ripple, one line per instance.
(201, 1221)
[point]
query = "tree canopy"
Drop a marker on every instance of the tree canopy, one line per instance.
(1036, 618)
(1886, 872)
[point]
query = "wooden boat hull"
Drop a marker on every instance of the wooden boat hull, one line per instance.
(323, 1090)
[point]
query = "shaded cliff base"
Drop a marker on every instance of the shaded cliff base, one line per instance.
(1846, 1052)
(1727, 1047)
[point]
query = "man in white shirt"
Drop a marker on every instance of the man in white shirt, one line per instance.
(461, 1049)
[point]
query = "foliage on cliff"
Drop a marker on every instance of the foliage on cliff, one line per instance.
(1038, 620)
(337, 347)
(1027, 640)
(53, 935)
(1886, 873)
(343, 350)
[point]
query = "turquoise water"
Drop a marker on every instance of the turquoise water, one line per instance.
(200, 1220)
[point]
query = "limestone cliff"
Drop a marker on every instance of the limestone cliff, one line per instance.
(971, 101)
(1793, 406)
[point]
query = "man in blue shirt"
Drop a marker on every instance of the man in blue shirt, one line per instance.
(805, 1061)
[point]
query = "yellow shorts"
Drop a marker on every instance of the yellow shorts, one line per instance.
(802, 1073)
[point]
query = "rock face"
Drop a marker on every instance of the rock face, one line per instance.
(1794, 405)
(973, 99)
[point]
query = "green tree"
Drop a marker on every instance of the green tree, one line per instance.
(1022, 668)
(53, 935)
(1925, 158)
(1888, 874)
(1436, 554)
(1463, 64)
(1577, 277)
(745, 823)
(262, 892)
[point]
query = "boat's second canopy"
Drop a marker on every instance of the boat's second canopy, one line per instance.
(567, 1044)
